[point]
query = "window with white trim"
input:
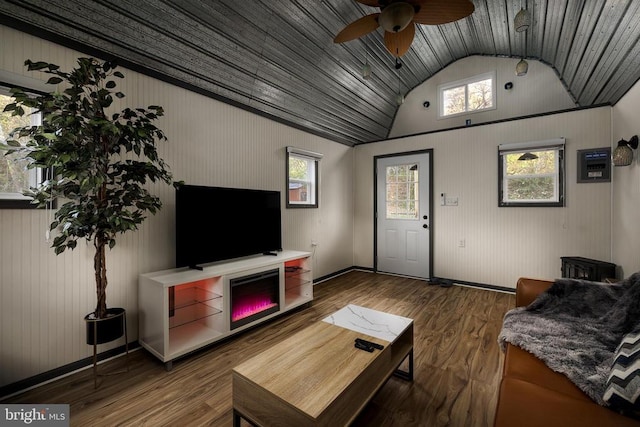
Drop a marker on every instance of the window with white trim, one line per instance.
(531, 173)
(470, 95)
(15, 176)
(303, 172)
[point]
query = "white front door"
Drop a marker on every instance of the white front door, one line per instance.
(403, 214)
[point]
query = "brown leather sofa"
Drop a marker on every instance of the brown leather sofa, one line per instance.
(532, 395)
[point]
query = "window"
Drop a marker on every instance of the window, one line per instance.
(466, 96)
(15, 177)
(402, 192)
(302, 178)
(531, 174)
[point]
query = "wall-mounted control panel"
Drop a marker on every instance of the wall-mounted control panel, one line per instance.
(448, 200)
(594, 165)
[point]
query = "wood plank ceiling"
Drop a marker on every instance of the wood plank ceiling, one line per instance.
(277, 57)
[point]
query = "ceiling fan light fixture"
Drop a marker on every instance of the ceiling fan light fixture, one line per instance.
(399, 99)
(396, 17)
(521, 68)
(522, 21)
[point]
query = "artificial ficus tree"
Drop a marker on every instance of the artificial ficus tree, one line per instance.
(98, 163)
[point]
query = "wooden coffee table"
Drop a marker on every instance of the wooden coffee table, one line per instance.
(317, 377)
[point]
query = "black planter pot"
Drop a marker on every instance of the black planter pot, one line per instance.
(109, 328)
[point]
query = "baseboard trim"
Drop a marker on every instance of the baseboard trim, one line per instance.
(475, 285)
(339, 273)
(432, 280)
(57, 373)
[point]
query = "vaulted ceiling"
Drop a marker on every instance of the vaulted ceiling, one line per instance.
(277, 57)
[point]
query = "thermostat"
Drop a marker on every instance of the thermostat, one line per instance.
(594, 165)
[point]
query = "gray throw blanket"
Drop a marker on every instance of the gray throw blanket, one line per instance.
(574, 328)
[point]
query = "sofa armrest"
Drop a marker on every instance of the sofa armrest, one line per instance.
(528, 289)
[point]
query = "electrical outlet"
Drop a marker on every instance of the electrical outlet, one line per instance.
(462, 243)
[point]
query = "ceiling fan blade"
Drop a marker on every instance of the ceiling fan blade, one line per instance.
(358, 28)
(399, 43)
(372, 3)
(436, 12)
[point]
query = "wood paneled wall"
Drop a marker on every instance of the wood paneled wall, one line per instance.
(43, 297)
(502, 244)
(539, 91)
(626, 188)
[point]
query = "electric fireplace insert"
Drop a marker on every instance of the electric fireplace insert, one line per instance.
(254, 296)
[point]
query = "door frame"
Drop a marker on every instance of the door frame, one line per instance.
(375, 204)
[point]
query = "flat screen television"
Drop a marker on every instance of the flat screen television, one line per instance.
(220, 223)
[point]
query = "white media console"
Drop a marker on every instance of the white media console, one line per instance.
(182, 310)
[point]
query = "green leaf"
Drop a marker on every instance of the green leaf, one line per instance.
(54, 80)
(90, 153)
(59, 240)
(35, 66)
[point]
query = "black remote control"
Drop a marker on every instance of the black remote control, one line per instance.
(369, 343)
(364, 347)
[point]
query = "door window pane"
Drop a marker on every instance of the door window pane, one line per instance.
(401, 189)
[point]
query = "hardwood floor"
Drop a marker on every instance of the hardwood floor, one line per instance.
(457, 363)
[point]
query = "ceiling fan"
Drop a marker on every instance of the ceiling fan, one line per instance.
(397, 18)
